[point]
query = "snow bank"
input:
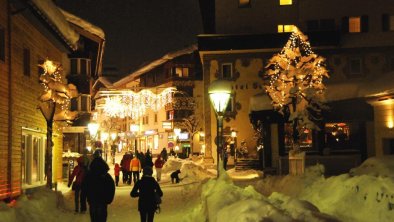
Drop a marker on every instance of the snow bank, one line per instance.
(42, 205)
(221, 200)
(349, 197)
(191, 171)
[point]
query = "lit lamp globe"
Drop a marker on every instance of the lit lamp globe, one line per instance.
(219, 93)
(93, 128)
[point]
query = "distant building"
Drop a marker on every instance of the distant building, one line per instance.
(180, 69)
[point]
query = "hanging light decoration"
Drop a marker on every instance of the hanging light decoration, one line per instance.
(135, 104)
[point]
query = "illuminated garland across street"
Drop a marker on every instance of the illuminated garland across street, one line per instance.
(135, 104)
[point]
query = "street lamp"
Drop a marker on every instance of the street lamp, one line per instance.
(219, 93)
(134, 128)
(104, 138)
(93, 128)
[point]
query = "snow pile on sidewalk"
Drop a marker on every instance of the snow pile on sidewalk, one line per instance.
(42, 205)
(365, 194)
(221, 200)
(191, 171)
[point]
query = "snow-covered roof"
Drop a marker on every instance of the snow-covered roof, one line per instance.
(84, 24)
(104, 80)
(156, 63)
(57, 20)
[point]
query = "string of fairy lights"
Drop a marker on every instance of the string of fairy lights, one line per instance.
(295, 70)
(135, 104)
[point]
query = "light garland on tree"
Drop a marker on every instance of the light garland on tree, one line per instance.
(135, 104)
(295, 77)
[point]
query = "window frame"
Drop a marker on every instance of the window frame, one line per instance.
(352, 73)
(222, 70)
(285, 2)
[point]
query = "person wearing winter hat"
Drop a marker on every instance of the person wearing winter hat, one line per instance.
(158, 165)
(146, 189)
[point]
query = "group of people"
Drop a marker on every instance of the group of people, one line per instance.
(95, 185)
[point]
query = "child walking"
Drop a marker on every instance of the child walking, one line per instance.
(116, 172)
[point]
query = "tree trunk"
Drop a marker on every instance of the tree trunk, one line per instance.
(48, 154)
(295, 123)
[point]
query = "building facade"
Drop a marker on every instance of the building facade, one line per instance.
(354, 37)
(180, 70)
(30, 32)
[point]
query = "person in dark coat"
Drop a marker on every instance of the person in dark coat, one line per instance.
(125, 165)
(79, 174)
(175, 176)
(164, 154)
(100, 188)
(146, 189)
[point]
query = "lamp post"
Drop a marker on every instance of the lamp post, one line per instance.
(93, 128)
(219, 93)
(134, 128)
(104, 137)
(113, 148)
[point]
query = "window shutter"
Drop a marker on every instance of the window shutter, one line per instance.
(345, 24)
(364, 23)
(385, 22)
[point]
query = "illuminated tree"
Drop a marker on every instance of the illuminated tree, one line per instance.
(54, 104)
(294, 82)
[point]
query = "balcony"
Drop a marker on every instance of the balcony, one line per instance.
(181, 103)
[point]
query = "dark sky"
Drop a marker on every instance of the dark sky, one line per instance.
(138, 32)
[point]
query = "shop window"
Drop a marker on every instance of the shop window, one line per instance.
(285, 2)
(337, 135)
(305, 138)
(227, 71)
(32, 154)
(156, 118)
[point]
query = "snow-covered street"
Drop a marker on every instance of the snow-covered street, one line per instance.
(361, 195)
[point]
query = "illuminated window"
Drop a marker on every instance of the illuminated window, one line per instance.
(244, 3)
(182, 72)
(285, 2)
(33, 158)
(354, 24)
(305, 138)
(337, 135)
(285, 28)
(227, 70)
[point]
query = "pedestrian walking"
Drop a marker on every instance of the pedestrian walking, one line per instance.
(100, 188)
(135, 166)
(147, 189)
(79, 174)
(158, 165)
(125, 166)
(164, 154)
(116, 173)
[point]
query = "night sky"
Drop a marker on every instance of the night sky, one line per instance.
(138, 32)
